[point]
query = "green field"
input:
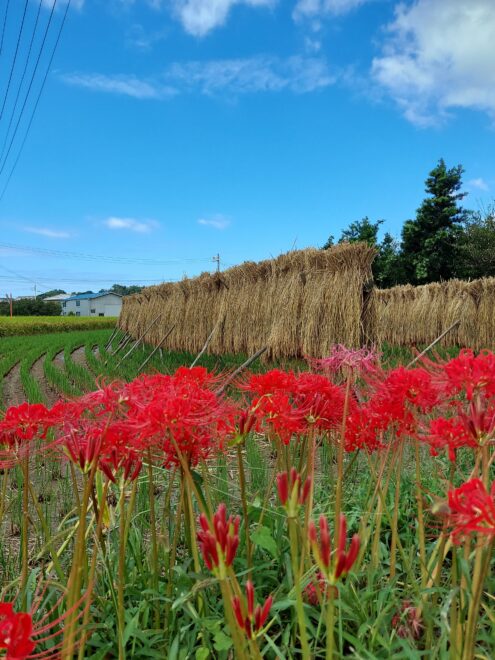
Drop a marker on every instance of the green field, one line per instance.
(35, 325)
(42, 367)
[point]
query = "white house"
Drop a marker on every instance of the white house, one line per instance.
(105, 303)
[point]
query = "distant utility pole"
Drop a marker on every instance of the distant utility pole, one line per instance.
(11, 310)
(217, 259)
(35, 290)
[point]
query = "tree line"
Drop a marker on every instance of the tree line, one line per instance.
(443, 241)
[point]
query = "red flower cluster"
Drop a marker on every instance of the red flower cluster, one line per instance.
(291, 404)
(16, 631)
(472, 509)
(219, 540)
(251, 619)
(341, 563)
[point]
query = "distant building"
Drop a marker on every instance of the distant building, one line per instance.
(60, 297)
(105, 303)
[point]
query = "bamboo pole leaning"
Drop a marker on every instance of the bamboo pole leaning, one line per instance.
(138, 340)
(158, 347)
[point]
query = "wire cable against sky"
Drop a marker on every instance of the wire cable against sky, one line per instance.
(14, 107)
(35, 105)
(4, 25)
(15, 59)
(98, 257)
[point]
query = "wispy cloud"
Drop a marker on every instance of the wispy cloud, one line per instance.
(46, 231)
(217, 221)
(198, 17)
(143, 40)
(478, 184)
(124, 85)
(131, 224)
(298, 74)
(314, 9)
(438, 56)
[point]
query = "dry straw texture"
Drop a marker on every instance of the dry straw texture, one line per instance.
(407, 315)
(298, 304)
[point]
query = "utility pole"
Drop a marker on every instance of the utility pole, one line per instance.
(217, 259)
(11, 310)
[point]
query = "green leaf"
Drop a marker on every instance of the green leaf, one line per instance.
(222, 641)
(263, 538)
(202, 654)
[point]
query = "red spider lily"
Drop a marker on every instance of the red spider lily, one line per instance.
(292, 405)
(292, 491)
(249, 618)
(472, 509)
(338, 565)
(401, 396)
(219, 540)
(20, 634)
(16, 632)
(178, 414)
(447, 433)
(407, 622)
(19, 428)
(364, 429)
(359, 361)
(467, 373)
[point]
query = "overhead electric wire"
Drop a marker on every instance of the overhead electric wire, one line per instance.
(98, 257)
(14, 107)
(36, 103)
(4, 25)
(15, 59)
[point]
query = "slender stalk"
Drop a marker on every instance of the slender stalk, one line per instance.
(339, 482)
(301, 620)
(154, 543)
(25, 530)
(421, 522)
(121, 569)
(242, 483)
(393, 541)
(481, 568)
(330, 617)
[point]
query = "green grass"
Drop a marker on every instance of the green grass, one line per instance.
(69, 378)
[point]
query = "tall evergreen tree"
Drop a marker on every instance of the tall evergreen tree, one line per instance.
(430, 243)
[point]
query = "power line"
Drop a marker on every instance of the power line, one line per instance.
(4, 24)
(110, 259)
(35, 105)
(7, 132)
(15, 58)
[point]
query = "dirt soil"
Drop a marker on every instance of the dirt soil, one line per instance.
(13, 392)
(50, 394)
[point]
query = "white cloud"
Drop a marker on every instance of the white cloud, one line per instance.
(131, 224)
(217, 221)
(319, 8)
(297, 74)
(198, 17)
(124, 85)
(439, 56)
(256, 74)
(478, 184)
(49, 233)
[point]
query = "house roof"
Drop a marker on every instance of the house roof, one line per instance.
(59, 296)
(90, 296)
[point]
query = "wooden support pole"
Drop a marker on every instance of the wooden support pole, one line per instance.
(433, 343)
(243, 366)
(112, 336)
(155, 350)
(138, 341)
(207, 343)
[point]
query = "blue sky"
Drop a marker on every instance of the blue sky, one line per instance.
(169, 131)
